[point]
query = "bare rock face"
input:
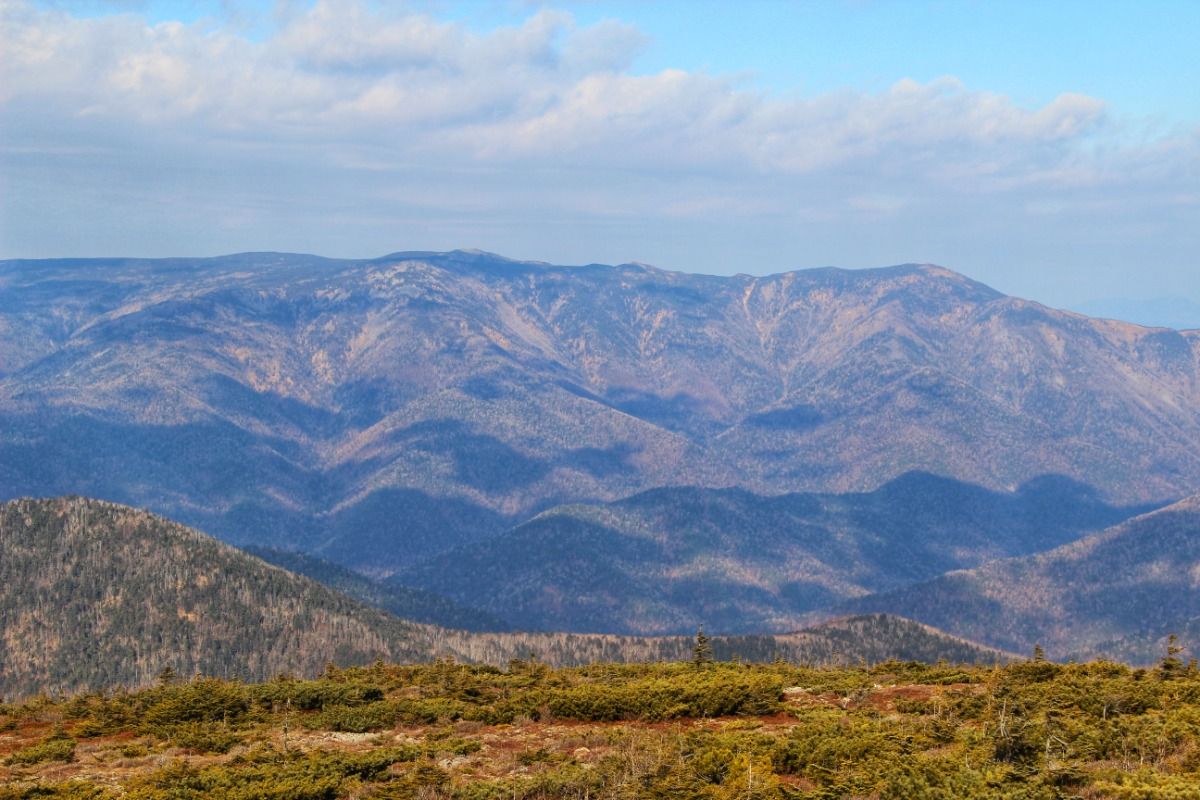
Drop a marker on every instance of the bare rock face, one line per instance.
(379, 412)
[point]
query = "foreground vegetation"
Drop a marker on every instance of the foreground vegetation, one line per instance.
(704, 730)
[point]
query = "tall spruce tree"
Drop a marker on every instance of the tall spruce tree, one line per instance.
(702, 652)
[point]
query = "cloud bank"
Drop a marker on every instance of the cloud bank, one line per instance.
(354, 131)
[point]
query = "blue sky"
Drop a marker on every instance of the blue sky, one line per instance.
(1050, 149)
(1138, 56)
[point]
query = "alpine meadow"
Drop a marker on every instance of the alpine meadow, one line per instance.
(448, 401)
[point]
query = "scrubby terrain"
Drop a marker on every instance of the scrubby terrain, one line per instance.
(694, 729)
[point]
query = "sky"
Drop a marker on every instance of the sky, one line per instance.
(1051, 150)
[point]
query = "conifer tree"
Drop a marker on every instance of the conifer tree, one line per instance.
(702, 652)
(1171, 663)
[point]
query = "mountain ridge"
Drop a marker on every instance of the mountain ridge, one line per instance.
(1117, 594)
(95, 596)
(269, 398)
(668, 559)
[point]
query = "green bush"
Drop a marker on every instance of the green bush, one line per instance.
(202, 700)
(436, 745)
(316, 775)
(706, 695)
(134, 750)
(825, 745)
(355, 719)
(203, 737)
(385, 714)
(316, 695)
(56, 747)
(413, 783)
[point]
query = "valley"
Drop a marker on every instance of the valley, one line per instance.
(100, 597)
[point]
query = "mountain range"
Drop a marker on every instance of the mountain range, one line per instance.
(96, 596)
(381, 412)
(667, 560)
(468, 441)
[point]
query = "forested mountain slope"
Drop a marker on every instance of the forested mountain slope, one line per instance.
(98, 595)
(379, 412)
(1117, 594)
(667, 560)
(417, 605)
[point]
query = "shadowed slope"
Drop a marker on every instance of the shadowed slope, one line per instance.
(667, 560)
(413, 604)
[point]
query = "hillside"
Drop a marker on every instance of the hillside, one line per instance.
(417, 605)
(853, 639)
(1117, 594)
(97, 595)
(380, 412)
(667, 560)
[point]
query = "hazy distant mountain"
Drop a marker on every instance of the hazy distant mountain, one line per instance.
(417, 605)
(667, 560)
(377, 413)
(1117, 594)
(98, 595)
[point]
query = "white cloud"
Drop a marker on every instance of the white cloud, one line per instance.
(546, 89)
(346, 36)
